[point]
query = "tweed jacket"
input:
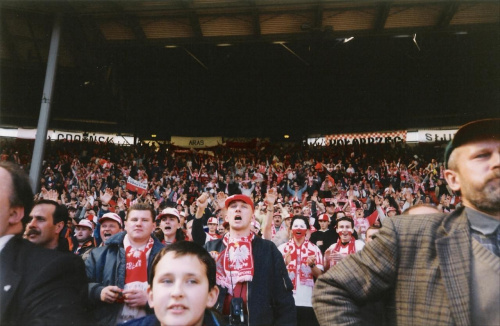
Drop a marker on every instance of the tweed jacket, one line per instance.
(421, 263)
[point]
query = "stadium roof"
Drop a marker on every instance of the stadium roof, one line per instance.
(252, 68)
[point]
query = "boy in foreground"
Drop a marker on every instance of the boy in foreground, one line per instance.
(182, 287)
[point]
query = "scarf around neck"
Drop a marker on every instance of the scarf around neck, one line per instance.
(235, 262)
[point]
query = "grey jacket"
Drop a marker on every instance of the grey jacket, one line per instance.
(106, 266)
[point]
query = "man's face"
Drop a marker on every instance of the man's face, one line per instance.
(180, 293)
(212, 228)
(323, 225)
(360, 213)
(41, 229)
(239, 215)
(370, 233)
(5, 208)
(277, 220)
(139, 226)
(297, 210)
(108, 229)
(82, 233)
(344, 229)
(475, 171)
(169, 225)
(330, 209)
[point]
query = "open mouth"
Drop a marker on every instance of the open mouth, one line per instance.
(177, 308)
(168, 228)
(106, 234)
(237, 218)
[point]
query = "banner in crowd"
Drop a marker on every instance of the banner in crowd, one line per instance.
(427, 136)
(361, 138)
(134, 185)
(69, 135)
(195, 142)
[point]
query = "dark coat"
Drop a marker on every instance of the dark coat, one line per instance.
(39, 286)
(270, 298)
(106, 266)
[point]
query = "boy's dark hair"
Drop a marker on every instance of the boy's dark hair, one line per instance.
(345, 218)
(300, 217)
(184, 248)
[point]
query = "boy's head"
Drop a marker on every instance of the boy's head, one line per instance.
(182, 284)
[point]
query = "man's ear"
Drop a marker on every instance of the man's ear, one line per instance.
(453, 179)
(16, 214)
(213, 294)
(59, 226)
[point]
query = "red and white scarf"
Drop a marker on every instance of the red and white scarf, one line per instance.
(351, 247)
(298, 263)
(235, 262)
(136, 276)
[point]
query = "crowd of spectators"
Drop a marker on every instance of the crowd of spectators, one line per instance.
(363, 183)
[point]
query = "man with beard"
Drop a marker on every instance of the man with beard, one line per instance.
(47, 221)
(440, 269)
(38, 286)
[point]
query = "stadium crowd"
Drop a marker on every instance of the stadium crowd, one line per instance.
(317, 204)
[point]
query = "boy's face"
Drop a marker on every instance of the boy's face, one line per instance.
(179, 293)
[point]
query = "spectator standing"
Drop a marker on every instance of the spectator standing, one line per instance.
(437, 268)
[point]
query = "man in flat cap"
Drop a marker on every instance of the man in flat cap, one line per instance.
(434, 269)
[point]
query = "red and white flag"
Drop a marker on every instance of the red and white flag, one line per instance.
(134, 185)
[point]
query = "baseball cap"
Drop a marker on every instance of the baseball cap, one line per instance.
(111, 216)
(242, 198)
(324, 217)
(213, 220)
(86, 223)
(296, 204)
(473, 131)
(169, 211)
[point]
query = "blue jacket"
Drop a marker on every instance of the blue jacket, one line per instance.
(106, 266)
(209, 319)
(270, 298)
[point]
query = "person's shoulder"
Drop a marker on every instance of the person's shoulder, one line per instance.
(214, 245)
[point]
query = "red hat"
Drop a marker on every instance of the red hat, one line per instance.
(111, 216)
(296, 204)
(242, 198)
(391, 209)
(324, 217)
(277, 214)
(169, 211)
(213, 220)
(288, 216)
(86, 223)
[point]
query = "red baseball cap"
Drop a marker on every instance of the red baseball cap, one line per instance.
(324, 217)
(242, 198)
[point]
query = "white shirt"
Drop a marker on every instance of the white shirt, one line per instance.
(4, 240)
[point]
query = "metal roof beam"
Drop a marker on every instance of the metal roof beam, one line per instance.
(193, 19)
(447, 15)
(385, 8)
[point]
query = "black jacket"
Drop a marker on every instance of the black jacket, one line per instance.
(270, 298)
(40, 286)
